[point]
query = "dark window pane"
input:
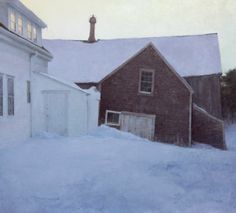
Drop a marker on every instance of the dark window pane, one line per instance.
(10, 92)
(146, 81)
(28, 92)
(113, 118)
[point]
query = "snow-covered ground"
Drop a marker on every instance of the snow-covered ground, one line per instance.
(110, 171)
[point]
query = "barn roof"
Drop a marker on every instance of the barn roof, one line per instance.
(79, 61)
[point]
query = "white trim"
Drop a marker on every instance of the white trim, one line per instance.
(61, 82)
(55, 91)
(23, 43)
(112, 124)
(20, 17)
(29, 28)
(13, 12)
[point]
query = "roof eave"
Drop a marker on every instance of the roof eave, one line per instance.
(10, 37)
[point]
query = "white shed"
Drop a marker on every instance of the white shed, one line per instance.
(62, 108)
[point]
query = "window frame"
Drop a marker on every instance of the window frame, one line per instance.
(20, 27)
(10, 113)
(12, 12)
(109, 123)
(34, 33)
(29, 33)
(140, 81)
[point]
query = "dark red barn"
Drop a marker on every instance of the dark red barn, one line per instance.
(164, 89)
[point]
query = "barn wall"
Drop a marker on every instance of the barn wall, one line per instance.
(170, 101)
(207, 93)
(16, 63)
(207, 129)
(77, 106)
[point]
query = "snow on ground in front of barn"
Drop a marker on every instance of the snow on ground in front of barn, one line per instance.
(110, 171)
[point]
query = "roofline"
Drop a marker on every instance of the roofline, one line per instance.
(200, 109)
(172, 68)
(61, 82)
(160, 55)
(203, 75)
(122, 65)
(147, 37)
(18, 5)
(11, 37)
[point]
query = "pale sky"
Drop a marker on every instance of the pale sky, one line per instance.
(68, 19)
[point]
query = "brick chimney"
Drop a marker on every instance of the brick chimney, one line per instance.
(92, 22)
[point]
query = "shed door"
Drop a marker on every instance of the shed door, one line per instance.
(139, 124)
(56, 104)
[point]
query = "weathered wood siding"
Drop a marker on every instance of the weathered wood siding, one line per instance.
(170, 101)
(207, 93)
(142, 125)
(207, 129)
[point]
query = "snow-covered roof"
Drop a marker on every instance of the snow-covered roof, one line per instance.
(66, 83)
(79, 61)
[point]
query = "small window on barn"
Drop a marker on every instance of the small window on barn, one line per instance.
(146, 81)
(112, 118)
(1, 95)
(10, 94)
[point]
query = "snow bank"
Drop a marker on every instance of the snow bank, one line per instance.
(110, 171)
(231, 137)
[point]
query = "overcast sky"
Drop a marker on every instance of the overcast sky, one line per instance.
(68, 19)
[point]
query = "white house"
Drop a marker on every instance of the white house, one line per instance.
(31, 101)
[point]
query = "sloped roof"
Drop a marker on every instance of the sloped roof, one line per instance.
(79, 61)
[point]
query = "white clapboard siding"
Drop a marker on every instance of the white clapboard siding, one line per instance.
(142, 125)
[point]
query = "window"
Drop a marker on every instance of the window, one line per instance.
(12, 21)
(34, 34)
(29, 31)
(1, 95)
(20, 25)
(146, 81)
(112, 118)
(28, 92)
(10, 94)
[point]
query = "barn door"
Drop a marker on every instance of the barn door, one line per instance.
(55, 104)
(139, 124)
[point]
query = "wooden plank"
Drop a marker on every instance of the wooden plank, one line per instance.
(142, 125)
